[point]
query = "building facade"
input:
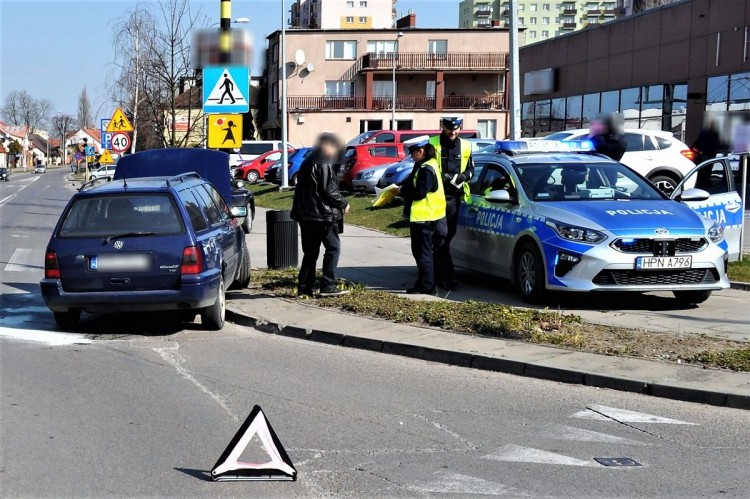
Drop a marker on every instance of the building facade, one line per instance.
(343, 14)
(662, 69)
(345, 83)
(543, 19)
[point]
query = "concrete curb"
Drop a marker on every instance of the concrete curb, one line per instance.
(504, 365)
(743, 286)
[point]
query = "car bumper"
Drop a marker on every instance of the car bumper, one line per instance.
(603, 268)
(366, 185)
(195, 292)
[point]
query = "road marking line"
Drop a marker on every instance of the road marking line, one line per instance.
(456, 483)
(47, 337)
(517, 454)
(603, 413)
(562, 432)
(171, 357)
(23, 259)
(6, 198)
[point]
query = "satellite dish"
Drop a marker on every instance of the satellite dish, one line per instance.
(310, 67)
(299, 57)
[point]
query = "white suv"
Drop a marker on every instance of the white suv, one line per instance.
(656, 155)
(252, 149)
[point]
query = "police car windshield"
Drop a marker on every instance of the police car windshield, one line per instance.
(583, 182)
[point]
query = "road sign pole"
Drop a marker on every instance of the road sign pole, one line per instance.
(284, 121)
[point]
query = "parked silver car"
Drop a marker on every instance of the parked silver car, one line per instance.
(366, 180)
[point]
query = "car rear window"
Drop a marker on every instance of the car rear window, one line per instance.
(106, 215)
(256, 148)
(663, 143)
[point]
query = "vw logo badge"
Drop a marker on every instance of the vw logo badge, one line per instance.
(658, 232)
(118, 244)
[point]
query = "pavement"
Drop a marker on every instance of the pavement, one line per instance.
(380, 261)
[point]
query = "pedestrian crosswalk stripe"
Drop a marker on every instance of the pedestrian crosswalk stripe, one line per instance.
(562, 432)
(517, 454)
(461, 485)
(24, 259)
(604, 413)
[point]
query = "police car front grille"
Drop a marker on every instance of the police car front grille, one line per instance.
(646, 245)
(655, 277)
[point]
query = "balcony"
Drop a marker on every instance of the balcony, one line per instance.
(569, 11)
(451, 61)
(484, 23)
(494, 101)
(484, 11)
(593, 12)
(567, 25)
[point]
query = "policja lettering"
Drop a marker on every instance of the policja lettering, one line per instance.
(639, 212)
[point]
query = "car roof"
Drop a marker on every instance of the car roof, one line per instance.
(640, 131)
(143, 184)
(547, 157)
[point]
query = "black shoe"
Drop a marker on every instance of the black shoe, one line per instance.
(305, 293)
(334, 292)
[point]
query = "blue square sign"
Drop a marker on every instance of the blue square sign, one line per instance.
(226, 89)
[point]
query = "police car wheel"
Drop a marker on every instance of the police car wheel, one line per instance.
(664, 183)
(530, 273)
(692, 297)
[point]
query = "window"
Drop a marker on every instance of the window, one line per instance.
(341, 49)
(635, 142)
(592, 6)
(381, 46)
(652, 104)
(437, 47)
(532, 20)
(385, 137)
(218, 200)
(349, 20)
(610, 102)
(711, 178)
(532, 34)
(368, 125)
(210, 210)
(545, 34)
(590, 107)
(339, 88)
(532, 7)
(382, 88)
(487, 129)
(521, 7)
(275, 52)
(430, 88)
(275, 92)
(363, 3)
(545, 7)
(739, 91)
(573, 106)
(717, 93)
(363, 20)
(557, 115)
(630, 106)
(520, 20)
(350, 4)
(495, 179)
(384, 151)
(193, 210)
(545, 20)
(592, 20)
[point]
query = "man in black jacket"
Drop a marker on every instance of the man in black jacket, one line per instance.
(319, 209)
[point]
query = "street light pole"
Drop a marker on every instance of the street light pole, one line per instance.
(515, 81)
(393, 82)
(282, 98)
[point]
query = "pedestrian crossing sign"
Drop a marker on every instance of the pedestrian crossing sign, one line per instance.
(119, 122)
(226, 89)
(224, 131)
(106, 158)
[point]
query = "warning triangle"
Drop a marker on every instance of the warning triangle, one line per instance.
(226, 92)
(229, 468)
(106, 158)
(119, 122)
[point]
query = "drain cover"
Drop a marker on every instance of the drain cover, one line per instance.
(617, 461)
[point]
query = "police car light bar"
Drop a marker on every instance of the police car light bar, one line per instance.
(516, 146)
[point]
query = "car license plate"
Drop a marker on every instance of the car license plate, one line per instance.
(663, 262)
(121, 262)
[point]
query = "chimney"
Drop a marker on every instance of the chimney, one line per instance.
(408, 21)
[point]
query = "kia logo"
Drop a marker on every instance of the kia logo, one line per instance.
(661, 232)
(119, 244)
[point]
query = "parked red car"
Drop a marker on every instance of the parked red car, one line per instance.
(256, 168)
(364, 156)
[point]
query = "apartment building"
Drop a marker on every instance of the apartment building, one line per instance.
(341, 81)
(542, 19)
(343, 14)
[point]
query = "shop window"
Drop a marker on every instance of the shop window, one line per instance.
(590, 107)
(610, 102)
(630, 106)
(573, 107)
(652, 106)
(739, 91)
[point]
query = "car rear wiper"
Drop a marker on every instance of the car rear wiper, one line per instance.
(128, 234)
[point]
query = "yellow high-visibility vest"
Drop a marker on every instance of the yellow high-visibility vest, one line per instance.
(465, 148)
(432, 207)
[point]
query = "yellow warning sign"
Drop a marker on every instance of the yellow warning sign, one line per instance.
(225, 131)
(106, 158)
(119, 122)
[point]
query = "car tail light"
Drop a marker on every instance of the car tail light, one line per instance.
(689, 154)
(51, 268)
(191, 261)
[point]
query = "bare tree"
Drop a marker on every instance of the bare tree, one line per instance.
(156, 36)
(84, 109)
(20, 108)
(61, 125)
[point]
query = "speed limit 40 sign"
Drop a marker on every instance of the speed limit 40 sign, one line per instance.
(120, 142)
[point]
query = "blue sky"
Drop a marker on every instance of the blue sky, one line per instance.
(53, 48)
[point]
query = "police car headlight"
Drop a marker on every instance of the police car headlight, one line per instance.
(575, 233)
(716, 232)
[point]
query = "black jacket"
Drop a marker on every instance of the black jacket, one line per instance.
(317, 197)
(612, 145)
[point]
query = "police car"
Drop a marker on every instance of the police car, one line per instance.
(557, 216)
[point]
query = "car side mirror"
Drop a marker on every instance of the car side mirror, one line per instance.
(692, 195)
(239, 211)
(239, 184)
(501, 196)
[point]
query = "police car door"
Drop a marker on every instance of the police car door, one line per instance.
(724, 203)
(465, 244)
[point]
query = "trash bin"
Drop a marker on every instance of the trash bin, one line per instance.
(281, 240)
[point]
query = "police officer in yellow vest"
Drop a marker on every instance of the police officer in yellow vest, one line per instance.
(425, 208)
(456, 169)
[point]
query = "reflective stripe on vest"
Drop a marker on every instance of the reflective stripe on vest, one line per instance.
(465, 147)
(432, 207)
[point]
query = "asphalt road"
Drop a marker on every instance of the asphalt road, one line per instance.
(140, 405)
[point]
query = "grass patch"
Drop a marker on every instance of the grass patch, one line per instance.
(388, 220)
(740, 271)
(546, 327)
